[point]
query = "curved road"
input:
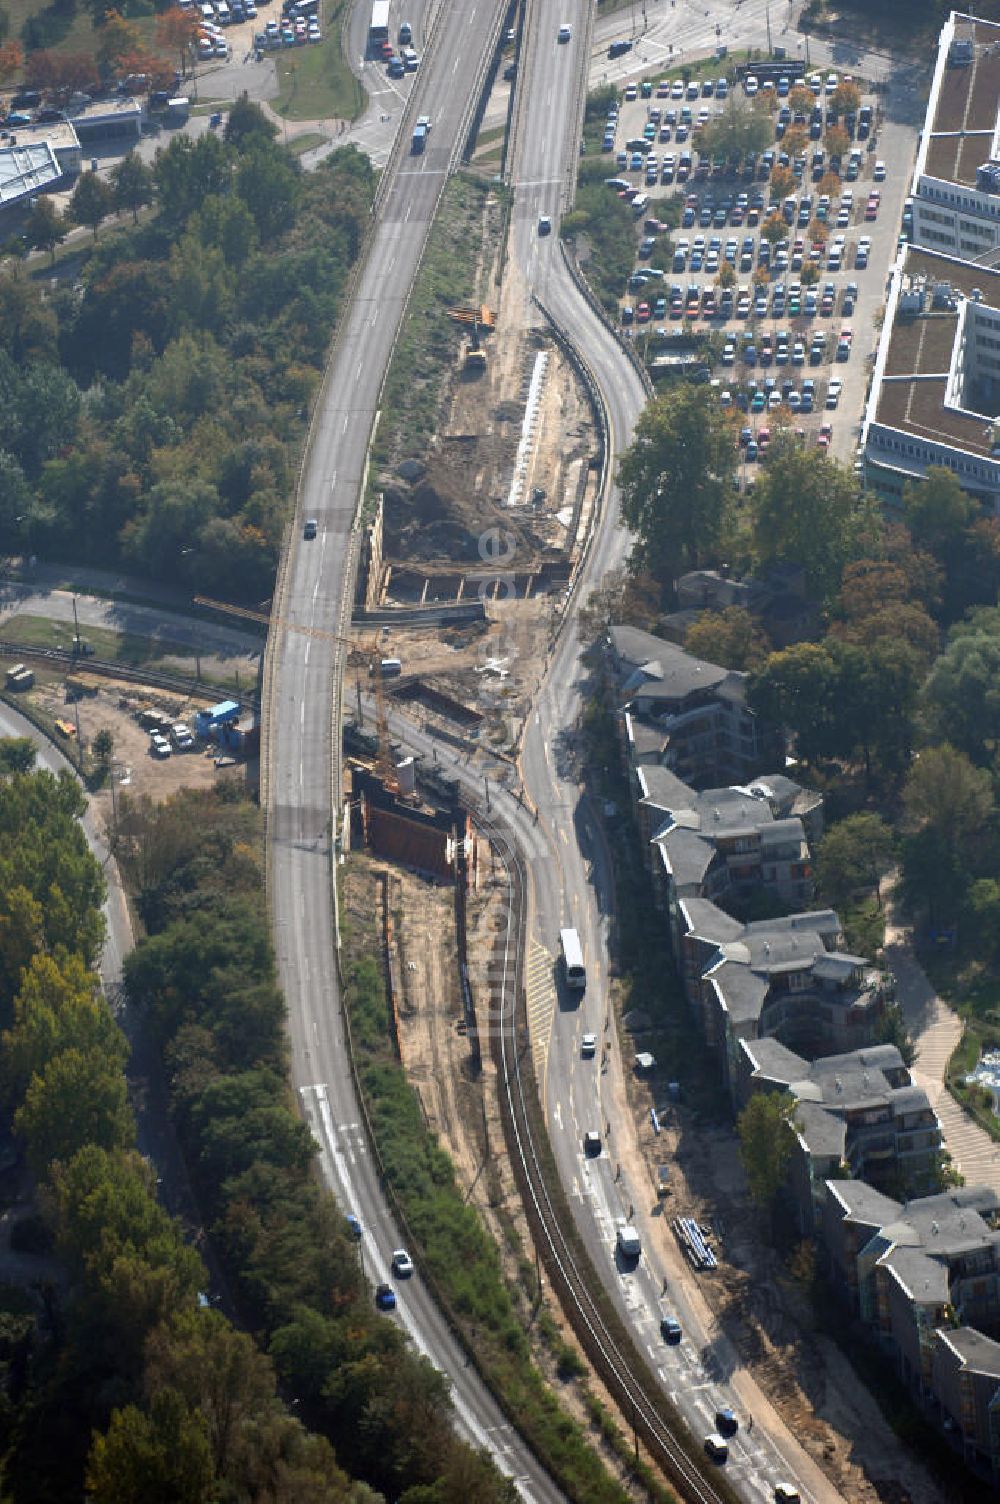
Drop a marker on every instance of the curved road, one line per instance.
(570, 880)
(315, 595)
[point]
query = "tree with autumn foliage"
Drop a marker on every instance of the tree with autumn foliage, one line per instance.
(11, 60)
(176, 31)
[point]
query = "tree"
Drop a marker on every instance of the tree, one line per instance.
(726, 276)
(93, 200)
(11, 60)
(162, 1457)
(810, 274)
(846, 98)
(45, 227)
(774, 229)
(962, 694)
(133, 183)
(739, 129)
(15, 502)
(937, 510)
(795, 141)
(797, 688)
(28, 327)
(852, 858)
(946, 793)
(176, 31)
(729, 637)
(674, 479)
(838, 142)
(78, 1099)
(118, 39)
(800, 100)
(248, 125)
(17, 753)
(829, 184)
(187, 172)
(782, 183)
(103, 746)
(764, 1127)
(806, 511)
(268, 183)
(818, 231)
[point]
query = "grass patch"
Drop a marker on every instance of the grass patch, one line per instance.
(306, 142)
(27, 630)
(459, 1256)
(315, 81)
(495, 133)
(62, 27)
(429, 342)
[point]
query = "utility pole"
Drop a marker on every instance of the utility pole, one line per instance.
(76, 628)
(767, 18)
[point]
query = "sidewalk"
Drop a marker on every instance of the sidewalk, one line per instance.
(935, 1030)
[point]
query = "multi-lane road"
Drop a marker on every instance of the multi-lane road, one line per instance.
(314, 594)
(301, 716)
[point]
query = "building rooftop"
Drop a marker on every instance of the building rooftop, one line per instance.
(862, 1203)
(977, 1352)
(662, 670)
(927, 387)
(921, 1278)
(822, 1133)
(706, 921)
(25, 170)
(962, 106)
(660, 787)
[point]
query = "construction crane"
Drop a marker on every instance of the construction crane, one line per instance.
(369, 653)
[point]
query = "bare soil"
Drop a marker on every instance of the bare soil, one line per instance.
(463, 1110)
(112, 705)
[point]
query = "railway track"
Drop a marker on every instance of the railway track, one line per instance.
(602, 1334)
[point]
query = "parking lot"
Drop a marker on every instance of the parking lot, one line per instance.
(775, 273)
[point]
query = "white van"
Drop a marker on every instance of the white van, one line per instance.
(629, 1242)
(640, 204)
(222, 12)
(410, 59)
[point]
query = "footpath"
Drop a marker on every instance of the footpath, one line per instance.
(935, 1029)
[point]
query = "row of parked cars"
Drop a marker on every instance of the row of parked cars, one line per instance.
(765, 394)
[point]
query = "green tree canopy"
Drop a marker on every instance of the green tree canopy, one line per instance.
(962, 694)
(852, 858)
(675, 480)
(92, 201)
(17, 753)
(741, 127)
(133, 185)
(731, 638)
(162, 1457)
(45, 227)
(78, 1098)
(807, 510)
(945, 792)
(766, 1144)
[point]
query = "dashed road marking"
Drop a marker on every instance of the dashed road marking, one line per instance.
(541, 1001)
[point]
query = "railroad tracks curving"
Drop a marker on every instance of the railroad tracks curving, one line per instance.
(601, 1333)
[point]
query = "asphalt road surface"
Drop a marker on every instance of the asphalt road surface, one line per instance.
(317, 598)
(570, 881)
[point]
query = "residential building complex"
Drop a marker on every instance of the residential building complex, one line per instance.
(924, 1276)
(688, 715)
